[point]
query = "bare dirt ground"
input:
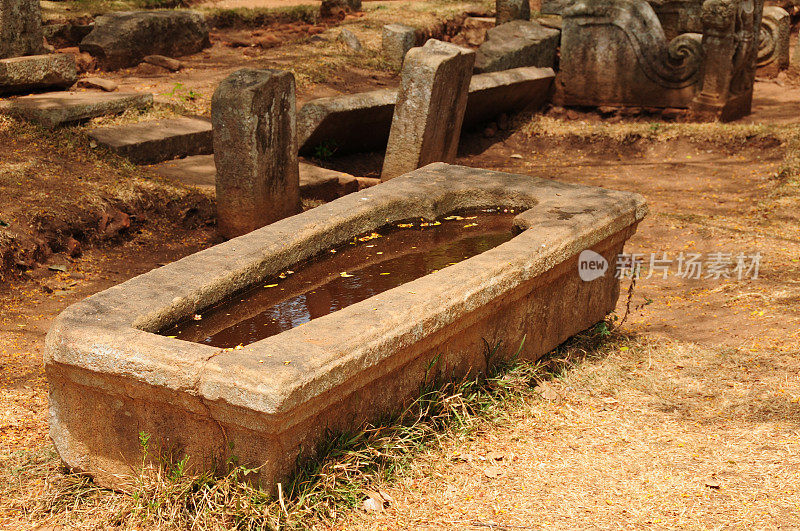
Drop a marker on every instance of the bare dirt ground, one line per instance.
(690, 420)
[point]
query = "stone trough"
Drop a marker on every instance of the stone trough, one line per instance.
(112, 376)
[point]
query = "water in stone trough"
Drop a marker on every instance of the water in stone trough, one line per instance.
(354, 271)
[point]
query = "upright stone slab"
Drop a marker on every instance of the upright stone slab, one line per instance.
(255, 150)
(396, 41)
(20, 28)
(508, 10)
(426, 125)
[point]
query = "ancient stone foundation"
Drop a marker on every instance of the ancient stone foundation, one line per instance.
(255, 150)
(112, 377)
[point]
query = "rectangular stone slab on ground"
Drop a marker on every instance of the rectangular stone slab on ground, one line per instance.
(37, 72)
(315, 183)
(361, 122)
(53, 109)
(113, 377)
(155, 141)
(426, 125)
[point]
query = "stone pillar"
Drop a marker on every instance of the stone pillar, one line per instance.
(396, 41)
(20, 28)
(719, 45)
(427, 120)
(508, 10)
(255, 150)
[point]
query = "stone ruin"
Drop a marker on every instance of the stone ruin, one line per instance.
(617, 53)
(24, 63)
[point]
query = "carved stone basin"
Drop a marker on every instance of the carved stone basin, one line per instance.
(113, 377)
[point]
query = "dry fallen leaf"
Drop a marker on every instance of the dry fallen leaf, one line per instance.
(713, 483)
(495, 456)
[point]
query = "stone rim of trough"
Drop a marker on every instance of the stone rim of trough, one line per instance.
(112, 332)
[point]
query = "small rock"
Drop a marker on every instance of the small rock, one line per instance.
(349, 38)
(490, 131)
(317, 38)
(98, 83)
(173, 65)
(147, 69)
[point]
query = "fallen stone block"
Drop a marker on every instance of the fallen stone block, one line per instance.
(396, 41)
(338, 124)
(173, 65)
(516, 44)
(37, 73)
(315, 183)
(346, 124)
(508, 10)
(255, 150)
(113, 376)
(158, 140)
(426, 125)
(105, 85)
(123, 39)
(53, 109)
(20, 28)
(507, 92)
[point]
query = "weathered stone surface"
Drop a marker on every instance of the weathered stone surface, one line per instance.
(123, 39)
(20, 28)
(773, 49)
(396, 41)
(315, 183)
(614, 53)
(57, 108)
(516, 44)
(426, 125)
(98, 83)
(111, 377)
(507, 92)
(508, 10)
(350, 40)
(158, 140)
(255, 149)
(37, 72)
(338, 123)
(555, 7)
(173, 65)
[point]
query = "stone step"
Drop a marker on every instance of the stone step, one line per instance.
(53, 109)
(35, 73)
(315, 183)
(157, 140)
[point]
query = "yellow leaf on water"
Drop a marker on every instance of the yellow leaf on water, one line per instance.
(270, 285)
(345, 274)
(385, 273)
(468, 225)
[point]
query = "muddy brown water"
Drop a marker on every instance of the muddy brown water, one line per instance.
(352, 272)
